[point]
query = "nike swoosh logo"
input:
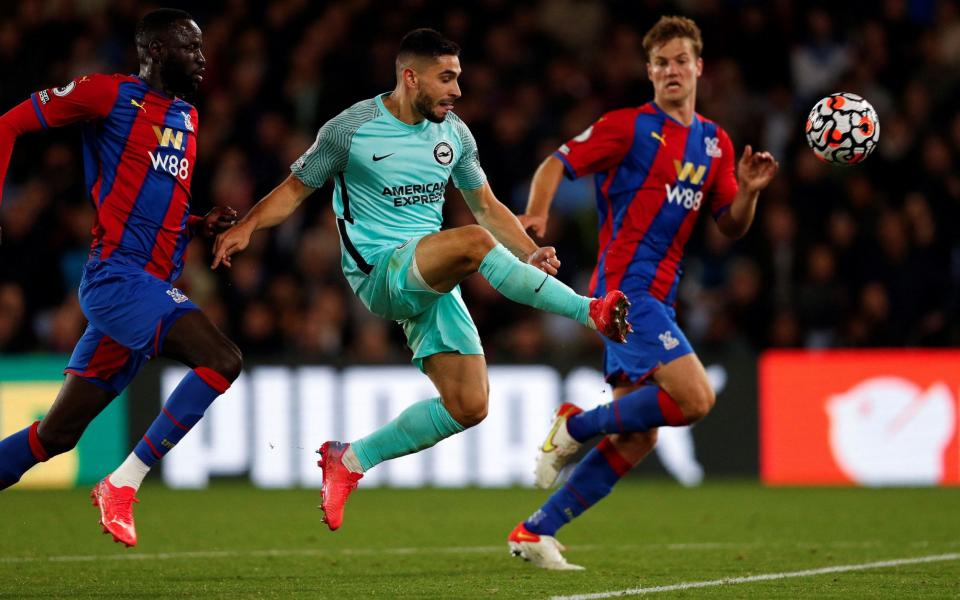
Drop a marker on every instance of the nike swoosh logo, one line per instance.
(548, 443)
(537, 291)
(523, 537)
(376, 158)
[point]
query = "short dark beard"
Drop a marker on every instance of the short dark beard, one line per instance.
(177, 80)
(424, 105)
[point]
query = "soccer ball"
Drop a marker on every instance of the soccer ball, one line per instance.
(843, 129)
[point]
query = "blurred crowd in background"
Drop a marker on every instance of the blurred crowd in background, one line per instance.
(866, 256)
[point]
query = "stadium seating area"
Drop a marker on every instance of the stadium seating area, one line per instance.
(857, 257)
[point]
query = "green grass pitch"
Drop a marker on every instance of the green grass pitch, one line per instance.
(233, 541)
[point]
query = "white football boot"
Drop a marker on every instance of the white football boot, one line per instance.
(557, 449)
(541, 550)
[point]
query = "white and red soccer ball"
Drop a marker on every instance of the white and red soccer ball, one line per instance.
(843, 129)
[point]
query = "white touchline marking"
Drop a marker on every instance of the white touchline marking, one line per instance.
(766, 577)
(133, 555)
(293, 552)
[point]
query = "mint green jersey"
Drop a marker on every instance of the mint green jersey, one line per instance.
(389, 178)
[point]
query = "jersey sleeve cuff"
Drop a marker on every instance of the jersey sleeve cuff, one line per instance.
(36, 108)
(305, 179)
(568, 169)
(471, 185)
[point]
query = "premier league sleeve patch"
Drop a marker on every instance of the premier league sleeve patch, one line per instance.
(63, 91)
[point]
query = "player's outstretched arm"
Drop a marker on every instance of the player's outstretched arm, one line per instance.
(543, 188)
(496, 218)
(85, 98)
(754, 172)
(20, 119)
(272, 210)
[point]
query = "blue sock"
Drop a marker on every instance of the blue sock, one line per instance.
(197, 390)
(640, 410)
(591, 481)
(18, 453)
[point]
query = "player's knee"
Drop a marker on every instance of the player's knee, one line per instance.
(698, 403)
(634, 445)
(478, 242)
(644, 439)
(228, 361)
(469, 409)
(480, 238)
(472, 415)
(634, 438)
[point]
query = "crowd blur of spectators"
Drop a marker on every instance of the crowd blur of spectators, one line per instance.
(838, 257)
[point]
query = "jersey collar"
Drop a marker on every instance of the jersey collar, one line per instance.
(659, 110)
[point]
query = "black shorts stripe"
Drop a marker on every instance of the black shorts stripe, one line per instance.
(351, 249)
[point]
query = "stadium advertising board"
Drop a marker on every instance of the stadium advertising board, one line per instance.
(870, 418)
(271, 421)
(28, 387)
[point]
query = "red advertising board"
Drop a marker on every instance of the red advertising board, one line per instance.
(860, 417)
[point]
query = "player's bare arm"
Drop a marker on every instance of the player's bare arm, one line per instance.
(754, 172)
(496, 218)
(272, 210)
(543, 188)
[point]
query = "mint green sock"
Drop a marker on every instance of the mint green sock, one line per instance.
(420, 426)
(529, 285)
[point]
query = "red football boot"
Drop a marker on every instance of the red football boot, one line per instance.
(116, 511)
(338, 482)
(609, 314)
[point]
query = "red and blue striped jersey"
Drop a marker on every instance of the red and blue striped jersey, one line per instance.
(653, 175)
(139, 149)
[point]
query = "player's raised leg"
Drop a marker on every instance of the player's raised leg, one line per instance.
(461, 381)
(593, 479)
(216, 362)
(447, 257)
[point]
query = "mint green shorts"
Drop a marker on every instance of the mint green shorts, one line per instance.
(433, 322)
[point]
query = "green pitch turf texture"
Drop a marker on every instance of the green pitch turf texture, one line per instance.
(233, 541)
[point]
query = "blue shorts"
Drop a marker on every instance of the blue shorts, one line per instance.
(656, 340)
(130, 313)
